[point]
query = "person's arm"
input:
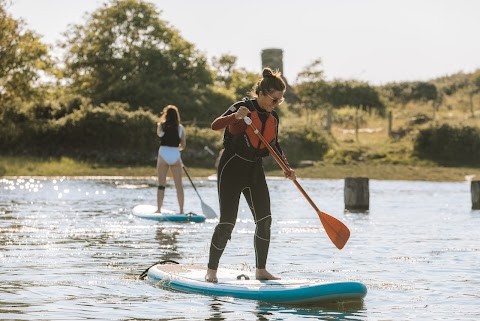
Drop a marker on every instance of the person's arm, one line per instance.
(223, 121)
(159, 130)
(233, 119)
(183, 138)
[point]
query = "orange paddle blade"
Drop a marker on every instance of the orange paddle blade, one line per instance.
(335, 229)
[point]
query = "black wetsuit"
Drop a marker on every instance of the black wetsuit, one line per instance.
(238, 174)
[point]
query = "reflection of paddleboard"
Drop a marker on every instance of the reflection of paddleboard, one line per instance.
(238, 284)
(148, 212)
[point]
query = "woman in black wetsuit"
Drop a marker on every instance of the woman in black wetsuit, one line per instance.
(240, 169)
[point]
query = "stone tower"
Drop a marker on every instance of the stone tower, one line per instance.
(273, 58)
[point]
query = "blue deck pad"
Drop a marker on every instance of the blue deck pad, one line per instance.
(148, 212)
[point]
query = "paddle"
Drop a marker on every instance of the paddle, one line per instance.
(335, 229)
(207, 210)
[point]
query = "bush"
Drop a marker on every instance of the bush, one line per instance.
(109, 133)
(348, 156)
(449, 145)
(114, 134)
(304, 143)
(195, 152)
(13, 120)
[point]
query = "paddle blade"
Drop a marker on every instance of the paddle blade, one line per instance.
(208, 211)
(335, 229)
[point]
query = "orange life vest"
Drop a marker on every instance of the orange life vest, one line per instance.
(268, 131)
(247, 144)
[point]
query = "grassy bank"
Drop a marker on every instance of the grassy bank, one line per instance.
(21, 166)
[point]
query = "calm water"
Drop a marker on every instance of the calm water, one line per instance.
(70, 249)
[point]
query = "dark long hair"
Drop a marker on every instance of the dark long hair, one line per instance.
(170, 117)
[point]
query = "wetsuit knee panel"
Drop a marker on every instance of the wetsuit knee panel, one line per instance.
(223, 233)
(263, 226)
(161, 187)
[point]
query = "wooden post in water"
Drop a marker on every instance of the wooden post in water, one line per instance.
(356, 194)
(475, 191)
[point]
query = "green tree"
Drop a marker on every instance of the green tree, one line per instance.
(223, 67)
(23, 58)
(398, 92)
(239, 81)
(353, 93)
(405, 92)
(314, 91)
(311, 86)
(126, 53)
(243, 81)
(423, 91)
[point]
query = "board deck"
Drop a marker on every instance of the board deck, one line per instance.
(190, 279)
(148, 212)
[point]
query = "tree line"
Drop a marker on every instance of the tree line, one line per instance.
(123, 64)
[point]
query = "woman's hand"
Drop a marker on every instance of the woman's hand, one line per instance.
(292, 176)
(241, 112)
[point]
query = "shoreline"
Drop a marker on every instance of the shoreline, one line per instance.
(22, 168)
(395, 173)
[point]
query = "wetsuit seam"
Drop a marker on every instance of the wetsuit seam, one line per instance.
(267, 240)
(263, 218)
(252, 208)
(245, 159)
(220, 180)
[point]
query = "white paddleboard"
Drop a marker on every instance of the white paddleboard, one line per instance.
(148, 212)
(233, 283)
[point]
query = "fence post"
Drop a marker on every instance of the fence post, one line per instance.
(356, 194)
(389, 124)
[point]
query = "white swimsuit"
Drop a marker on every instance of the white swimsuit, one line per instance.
(170, 154)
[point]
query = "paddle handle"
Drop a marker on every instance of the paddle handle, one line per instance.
(275, 155)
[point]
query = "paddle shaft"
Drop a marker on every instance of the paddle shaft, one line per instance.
(207, 210)
(192, 183)
(336, 230)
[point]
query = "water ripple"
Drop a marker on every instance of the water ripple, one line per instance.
(70, 249)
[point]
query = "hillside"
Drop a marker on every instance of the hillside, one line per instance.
(372, 143)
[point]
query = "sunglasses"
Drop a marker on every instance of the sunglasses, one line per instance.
(276, 101)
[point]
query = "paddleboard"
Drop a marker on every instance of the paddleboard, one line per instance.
(148, 212)
(241, 284)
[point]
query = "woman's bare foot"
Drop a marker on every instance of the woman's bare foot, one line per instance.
(211, 276)
(263, 274)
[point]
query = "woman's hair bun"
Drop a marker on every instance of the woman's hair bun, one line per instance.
(267, 72)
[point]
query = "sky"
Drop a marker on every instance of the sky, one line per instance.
(377, 41)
